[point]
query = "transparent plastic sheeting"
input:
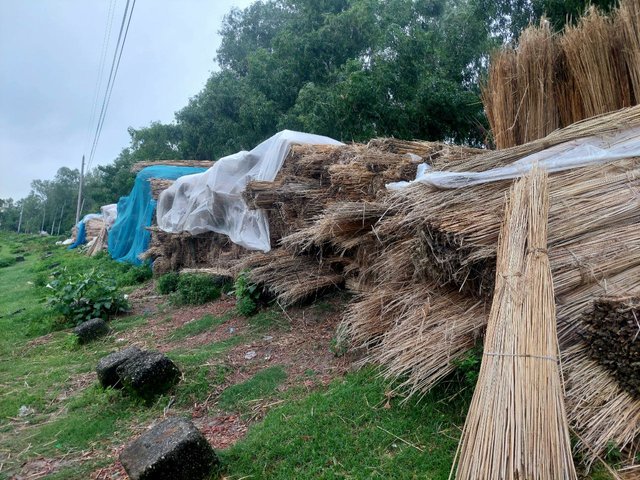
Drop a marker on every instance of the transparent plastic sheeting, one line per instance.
(109, 214)
(128, 237)
(597, 149)
(212, 201)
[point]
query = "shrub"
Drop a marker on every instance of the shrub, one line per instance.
(247, 295)
(83, 296)
(196, 289)
(7, 261)
(167, 283)
(135, 275)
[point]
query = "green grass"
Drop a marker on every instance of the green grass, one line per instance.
(262, 385)
(195, 327)
(346, 432)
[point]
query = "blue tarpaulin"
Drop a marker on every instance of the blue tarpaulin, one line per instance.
(128, 237)
(81, 237)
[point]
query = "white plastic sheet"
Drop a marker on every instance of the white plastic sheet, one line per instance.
(212, 201)
(109, 213)
(576, 153)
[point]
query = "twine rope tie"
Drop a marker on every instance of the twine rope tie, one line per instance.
(522, 355)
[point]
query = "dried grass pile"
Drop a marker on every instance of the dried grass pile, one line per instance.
(517, 426)
(549, 81)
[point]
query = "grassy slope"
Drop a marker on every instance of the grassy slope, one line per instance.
(351, 429)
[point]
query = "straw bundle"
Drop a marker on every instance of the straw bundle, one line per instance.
(550, 81)
(136, 167)
(291, 279)
(612, 333)
(516, 426)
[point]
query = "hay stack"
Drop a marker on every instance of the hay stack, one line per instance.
(550, 81)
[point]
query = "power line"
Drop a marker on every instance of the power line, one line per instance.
(103, 57)
(115, 64)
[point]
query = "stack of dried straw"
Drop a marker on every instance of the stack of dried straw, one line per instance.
(423, 264)
(550, 81)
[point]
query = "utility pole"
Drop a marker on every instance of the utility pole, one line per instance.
(20, 221)
(44, 212)
(53, 222)
(60, 221)
(80, 192)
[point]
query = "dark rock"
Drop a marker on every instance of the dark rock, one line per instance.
(148, 374)
(172, 450)
(90, 330)
(108, 365)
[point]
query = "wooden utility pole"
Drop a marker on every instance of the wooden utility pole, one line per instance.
(20, 221)
(78, 208)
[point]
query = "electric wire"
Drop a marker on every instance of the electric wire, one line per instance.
(103, 57)
(115, 64)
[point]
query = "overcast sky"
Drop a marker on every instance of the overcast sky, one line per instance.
(49, 61)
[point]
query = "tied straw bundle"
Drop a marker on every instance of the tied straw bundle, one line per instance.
(517, 427)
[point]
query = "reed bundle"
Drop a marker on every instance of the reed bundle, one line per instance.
(517, 426)
(291, 279)
(434, 153)
(612, 332)
(136, 167)
(549, 81)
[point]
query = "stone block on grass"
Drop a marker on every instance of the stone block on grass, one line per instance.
(107, 366)
(90, 330)
(148, 374)
(172, 450)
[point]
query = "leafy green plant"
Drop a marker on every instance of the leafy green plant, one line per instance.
(80, 297)
(167, 283)
(247, 295)
(468, 367)
(196, 289)
(7, 262)
(136, 275)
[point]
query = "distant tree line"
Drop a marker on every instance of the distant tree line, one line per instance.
(349, 69)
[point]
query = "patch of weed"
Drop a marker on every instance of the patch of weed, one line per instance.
(196, 289)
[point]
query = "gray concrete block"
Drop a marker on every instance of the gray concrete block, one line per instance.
(172, 450)
(107, 366)
(90, 330)
(148, 374)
